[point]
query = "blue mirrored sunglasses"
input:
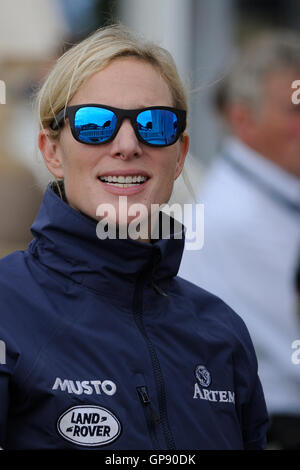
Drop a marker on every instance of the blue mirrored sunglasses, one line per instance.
(96, 124)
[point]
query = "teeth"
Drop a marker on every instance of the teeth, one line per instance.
(122, 185)
(123, 179)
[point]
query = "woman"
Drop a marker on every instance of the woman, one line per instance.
(105, 346)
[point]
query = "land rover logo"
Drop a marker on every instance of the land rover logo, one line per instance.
(203, 376)
(89, 425)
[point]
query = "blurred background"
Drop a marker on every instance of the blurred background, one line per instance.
(202, 35)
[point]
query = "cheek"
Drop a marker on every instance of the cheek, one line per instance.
(281, 129)
(292, 126)
(168, 163)
(165, 177)
(77, 160)
(277, 124)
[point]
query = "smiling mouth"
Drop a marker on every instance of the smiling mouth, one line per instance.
(124, 181)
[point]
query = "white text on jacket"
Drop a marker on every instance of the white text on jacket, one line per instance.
(85, 386)
(225, 396)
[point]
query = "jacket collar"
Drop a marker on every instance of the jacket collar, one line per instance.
(66, 241)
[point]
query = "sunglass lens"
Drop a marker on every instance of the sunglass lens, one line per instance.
(94, 125)
(158, 126)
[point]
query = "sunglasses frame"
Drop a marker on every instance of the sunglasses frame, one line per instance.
(70, 112)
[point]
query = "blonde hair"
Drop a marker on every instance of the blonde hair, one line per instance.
(93, 54)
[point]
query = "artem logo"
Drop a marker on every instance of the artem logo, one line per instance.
(89, 425)
(203, 376)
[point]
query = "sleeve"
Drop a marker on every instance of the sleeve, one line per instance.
(4, 387)
(251, 404)
(8, 360)
(255, 419)
(4, 384)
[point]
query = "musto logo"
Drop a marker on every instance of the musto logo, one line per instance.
(89, 425)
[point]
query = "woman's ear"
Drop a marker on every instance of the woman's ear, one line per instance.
(51, 153)
(184, 143)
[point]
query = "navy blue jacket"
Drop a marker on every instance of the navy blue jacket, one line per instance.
(104, 347)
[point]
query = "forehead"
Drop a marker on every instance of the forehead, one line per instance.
(125, 83)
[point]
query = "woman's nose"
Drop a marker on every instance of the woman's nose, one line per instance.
(126, 145)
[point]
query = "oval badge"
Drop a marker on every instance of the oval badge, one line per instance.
(89, 425)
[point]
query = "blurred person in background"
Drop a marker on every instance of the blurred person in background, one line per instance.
(31, 33)
(252, 218)
(20, 195)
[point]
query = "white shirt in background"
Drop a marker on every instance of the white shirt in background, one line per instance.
(249, 257)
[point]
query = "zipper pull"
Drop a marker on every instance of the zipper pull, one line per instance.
(157, 289)
(144, 397)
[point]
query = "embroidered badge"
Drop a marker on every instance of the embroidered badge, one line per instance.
(203, 376)
(89, 425)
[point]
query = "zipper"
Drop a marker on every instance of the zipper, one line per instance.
(155, 287)
(159, 382)
(158, 289)
(152, 417)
